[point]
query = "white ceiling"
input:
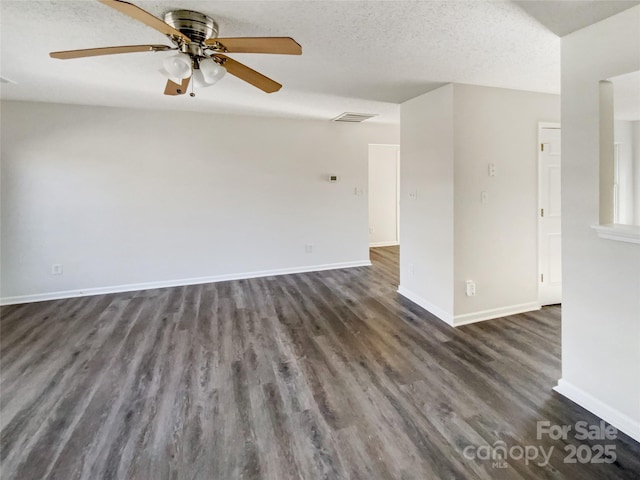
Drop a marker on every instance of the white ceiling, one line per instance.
(358, 56)
(564, 17)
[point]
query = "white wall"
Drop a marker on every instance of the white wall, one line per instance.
(601, 278)
(123, 197)
(636, 171)
(449, 138)
(383, 195)
(426, 201)
(496, 242)
(623, 136)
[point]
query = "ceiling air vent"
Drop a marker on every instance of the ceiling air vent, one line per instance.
(354, 117)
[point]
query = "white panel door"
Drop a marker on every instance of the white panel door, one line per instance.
(549, 233)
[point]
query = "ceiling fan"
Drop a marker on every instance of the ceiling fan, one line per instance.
(201, 54)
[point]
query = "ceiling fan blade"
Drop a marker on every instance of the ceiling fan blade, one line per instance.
(281, 45)
(249, 75)
(94, 52)
(145, 17)
(173, 88)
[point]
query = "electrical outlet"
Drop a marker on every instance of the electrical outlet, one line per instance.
(413, 195)
(308, 248)
(484, 197)
(56, 269)
(371, 229)
(471, 288)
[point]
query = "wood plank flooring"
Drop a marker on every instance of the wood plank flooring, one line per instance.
(327, 375)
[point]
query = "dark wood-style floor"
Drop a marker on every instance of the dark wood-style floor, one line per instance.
(311, 376)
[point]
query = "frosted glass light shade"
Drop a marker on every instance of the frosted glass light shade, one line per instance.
(177, 66)
(198, 79)
(211, 71)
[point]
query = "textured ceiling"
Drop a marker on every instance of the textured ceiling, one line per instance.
(566, 16)
(359, 56)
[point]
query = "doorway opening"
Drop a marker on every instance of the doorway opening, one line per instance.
(384, 195)
(384, 206)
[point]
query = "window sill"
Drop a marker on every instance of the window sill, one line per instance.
(621, 233)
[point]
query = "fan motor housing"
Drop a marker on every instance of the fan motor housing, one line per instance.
(195, 25)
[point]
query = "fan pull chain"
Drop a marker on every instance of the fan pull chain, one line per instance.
(192, 94)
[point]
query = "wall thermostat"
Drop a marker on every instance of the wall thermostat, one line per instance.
(333, 178)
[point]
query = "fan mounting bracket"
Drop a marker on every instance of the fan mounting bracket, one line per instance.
(195, 25)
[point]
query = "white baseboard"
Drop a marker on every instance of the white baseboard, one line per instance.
(609, 414)
(483, 315)
(467, 318)
(384, 244)
(443, 315)
(40, 297)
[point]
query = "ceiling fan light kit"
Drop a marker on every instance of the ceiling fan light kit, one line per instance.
(211, 71)
(201, 55)
(177, 66)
